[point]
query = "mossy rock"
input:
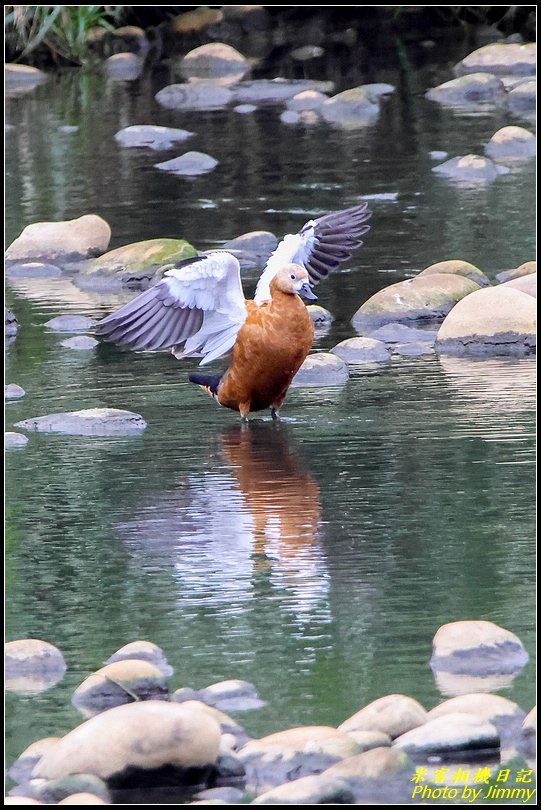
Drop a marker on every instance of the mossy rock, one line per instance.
(137, 264)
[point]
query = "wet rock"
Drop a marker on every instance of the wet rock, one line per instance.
(427, 298)
(524, 269)
(137, 743)
(366, 740)
(477, 648)
(143, 651)
(273, 91)
(136, 264)
(307, 100)
(80, 343)
(493, 321)
(71, 323)
(526, 742)
(526, 284)
(378, 89)
(33, 270)
(470, 169)
(514, 143)
(350, 109)
(322, 368)
(32, 665)
(319, 315)
(319, 789)
(378, 775)
(184, 694)
(244, 109)
(476, 88)
(290, 117)
(361, 350)
(123, 67)
(501, 59)
(20, 79)
(233, 735)
(294, 753)
(229, 795)
(11, 324)
(505, 715)
(215, 60)
(83, 798)
(118, 683)
(12, 439)
(399, 333)
(189, 164)
(522, 100)
(451, 735)
(21, 770)
(200, 95)
(232, 695)
(228, 766)
(260, 243)
(450, 684)
(88, 422)
(53, 791)
(459, 268)
(392, 715)
(70, 240)
(153, 137)
(13, 391)
(307, 52)
(412, 349)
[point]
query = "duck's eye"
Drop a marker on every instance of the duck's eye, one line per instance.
(293, 276)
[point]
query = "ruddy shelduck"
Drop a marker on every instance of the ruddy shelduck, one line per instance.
(198, 309)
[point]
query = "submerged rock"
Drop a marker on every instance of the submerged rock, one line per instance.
(232, 695)
(21, 79)
(124, 66)
(134, 744)
(33, 270)
(392, 715)
(189, 164)
(70, 240)
(12, 439)
(71, 323)
(21, 770)
(414, 349)
(319, 315)
(272, 91)
(143, 651)
(457, 267)
(320, 789)
(297, 752)
(307, 100)
(11, 324)
(514, 143)
(244, 109)
(501, 59)
(120, 682)
(88, 422)
(427, 298)
(322, 368)
(361, 350)
(477, 648)
(80, 343)
(493, 321)
(400, 333)
(135, 264)
(214, 60)
(451, 735)
(476, 88)
(199, 95)
(13, 391)
(350, 109)
(470, 169)
(153, 137)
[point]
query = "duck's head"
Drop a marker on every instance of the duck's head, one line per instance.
(293, 279)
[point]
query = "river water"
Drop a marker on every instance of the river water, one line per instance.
(315, 557)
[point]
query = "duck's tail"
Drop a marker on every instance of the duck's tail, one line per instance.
(208, 382)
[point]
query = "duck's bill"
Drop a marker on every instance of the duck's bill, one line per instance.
(306, 292)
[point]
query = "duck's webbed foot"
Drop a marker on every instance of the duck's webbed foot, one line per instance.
(275, 413)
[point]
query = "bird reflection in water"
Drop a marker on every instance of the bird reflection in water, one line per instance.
(250, 516)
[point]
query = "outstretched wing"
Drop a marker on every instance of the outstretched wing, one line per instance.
(320, 246)
(199, 303)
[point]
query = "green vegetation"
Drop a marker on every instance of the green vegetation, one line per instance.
(62, 30)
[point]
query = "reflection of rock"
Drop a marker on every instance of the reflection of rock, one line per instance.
(12, 439)
(199, 95)
(21, 79)
(70, 323)
(453, 685)
(32, 665)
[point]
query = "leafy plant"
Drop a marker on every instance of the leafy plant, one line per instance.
(62, 29)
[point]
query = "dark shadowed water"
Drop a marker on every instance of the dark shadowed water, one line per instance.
(315, 557)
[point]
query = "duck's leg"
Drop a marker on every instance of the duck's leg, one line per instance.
(275, 413)
(244, 409)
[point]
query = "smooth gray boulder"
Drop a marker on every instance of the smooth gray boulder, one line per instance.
(199, 95)
(11, 324)
(318, 789)
(121, 682)
(189, 164)
(231, 695)
(476, 88)
(244, 109)
(414, 349)
(522, 100)
(89, 422)
(524, 269)
(142, 651)
(307, 100)
(214, 60)
(362, 350)
(477, 648)
(457, 267)
(273, 91)
(511, 143)
(80, 343)
(319, 315)
(350, 109)
(260, 243)
(526, 284)
(32, 666)
(21, 770)
(151, 137)
(392, 715)
(71, 323)
(505, 715)
(124, 67)
(60, 791)
(12, 439)
(380, 775)
(470, 169)
(501, 59)
(21, 79)
(453, 735)
(322, 369)
(70, 240)
(13, 391)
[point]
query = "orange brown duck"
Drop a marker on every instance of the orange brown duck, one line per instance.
(198, 309)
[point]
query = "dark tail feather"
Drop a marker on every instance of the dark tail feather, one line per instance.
(209, 382)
